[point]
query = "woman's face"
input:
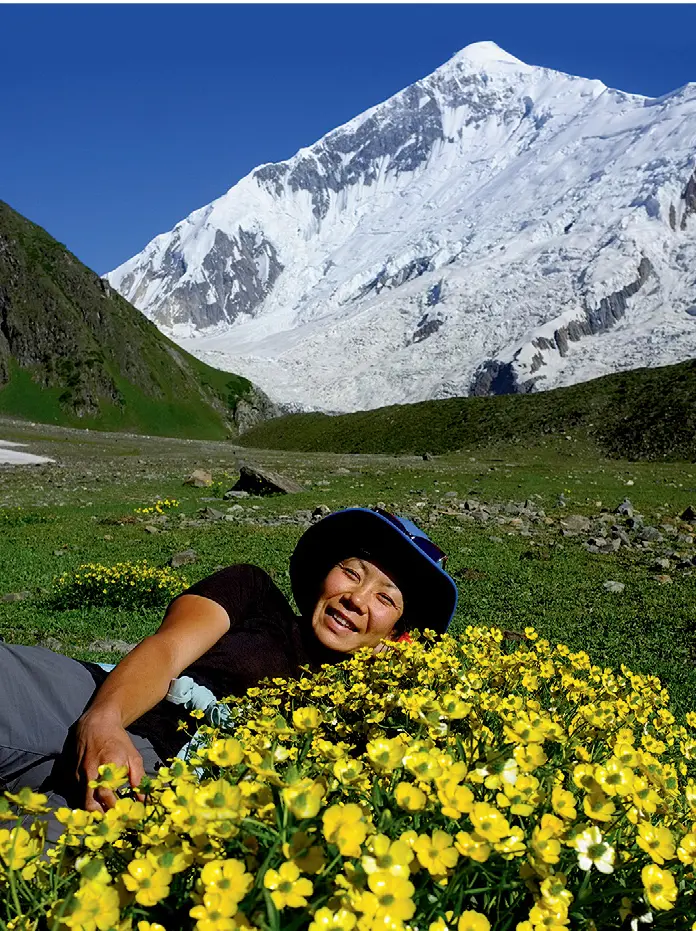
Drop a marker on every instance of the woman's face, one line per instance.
(358, 606)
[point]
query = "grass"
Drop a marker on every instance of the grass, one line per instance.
(72, 509)
(642, 414)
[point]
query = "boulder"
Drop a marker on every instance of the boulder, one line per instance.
(625, 508)
(689, 515)
(199, 478)
(613, 587)
(258, 481)
(211, 514)
(576, 523)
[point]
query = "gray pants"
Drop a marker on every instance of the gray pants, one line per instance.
(42, 695)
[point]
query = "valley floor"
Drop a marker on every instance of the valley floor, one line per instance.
(533, 536)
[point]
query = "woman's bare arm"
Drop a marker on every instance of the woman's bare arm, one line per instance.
(191, 626)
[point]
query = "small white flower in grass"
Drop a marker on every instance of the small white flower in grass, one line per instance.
(592, 849)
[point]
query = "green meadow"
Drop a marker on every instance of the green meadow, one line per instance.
(81, 509)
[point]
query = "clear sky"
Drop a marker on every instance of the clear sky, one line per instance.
(118, 121)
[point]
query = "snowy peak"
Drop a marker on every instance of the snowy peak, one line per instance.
(494, 226)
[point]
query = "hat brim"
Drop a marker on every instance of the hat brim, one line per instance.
(430, 593)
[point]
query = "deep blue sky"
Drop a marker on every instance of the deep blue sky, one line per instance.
(117, 121)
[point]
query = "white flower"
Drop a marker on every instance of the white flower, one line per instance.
(592, 849)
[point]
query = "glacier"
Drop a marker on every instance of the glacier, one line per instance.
(495, 227)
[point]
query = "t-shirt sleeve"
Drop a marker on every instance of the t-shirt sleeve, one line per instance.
(241, 590)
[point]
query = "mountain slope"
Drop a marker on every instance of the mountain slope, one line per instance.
(642, 414)
(72, 351)
(495, 227)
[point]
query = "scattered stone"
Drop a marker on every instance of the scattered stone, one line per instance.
(664, 579)
(577, 523)
(111, 646)
(235, 509)
(148, 528)
(15, 596)
(319, 512)
(51, 643)
(662, 563)
(257, 481)
(625, 508)
(635, 522)
(614, 587)
(108, 537)
(427, 457)
(450, 494)
(471, 504)
(184, 558)
(651, 535)
(341, 471)
(61, 552)
(561, 500)
(685, 538)
(199, 478)
(211, 514)
(689, 515)
(235, 494)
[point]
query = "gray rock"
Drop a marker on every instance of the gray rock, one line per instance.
(471, 504)
(427, 457)
(614, 587)
(111, 646)
(235, 509)
(576, 522)
(258, 481)
(561, 500)
(185, 558)
(14, 596)
(51, 643)
(662, 564)
(635, 522)
(450, 494)
(321, 511)
(651, 535)
(211, 514)
(235, 494)
(199, 478)
(621, 536)
(341, 471)
(148, 528)
(625, 508)
(685, 538)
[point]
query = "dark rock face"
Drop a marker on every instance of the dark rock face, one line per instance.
(254, 408)
(426, 328)
(239, 270)
(689, 198)
(495, 377)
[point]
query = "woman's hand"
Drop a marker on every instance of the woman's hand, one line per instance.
(102, 739)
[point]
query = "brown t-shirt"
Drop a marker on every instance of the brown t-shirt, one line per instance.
(265, 639)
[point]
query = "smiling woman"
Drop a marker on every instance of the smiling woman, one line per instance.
(360, 578)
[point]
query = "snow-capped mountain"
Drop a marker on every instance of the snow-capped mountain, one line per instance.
(493, 227)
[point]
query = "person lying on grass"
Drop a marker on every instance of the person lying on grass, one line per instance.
(360, 577)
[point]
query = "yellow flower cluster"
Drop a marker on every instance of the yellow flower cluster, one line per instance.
(122, 585)
(159, 507)
(451, 784)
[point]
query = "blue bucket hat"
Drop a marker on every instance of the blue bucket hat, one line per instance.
(394, 543)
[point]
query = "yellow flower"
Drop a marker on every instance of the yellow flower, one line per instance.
(93, 906)
(304, 798)
(346, 827)
(563, 803)
(226, 752)
(473, 921)
(326, 920)
(308, 857)
(390, 897)
(150, 926)
(436, 853)
(545, 845)
(347, 770)
(422, 765)
(306, 719)
(660, 888)
(410, 797)
(687, 849)
(215, 912)
(228, 877)
(598, 807)
(385, 755)
(17, 847)
(288, 888)
(110, 777)
(149, 882)
(614, 777)
(656, 841)
(387, 856)
(488, 822)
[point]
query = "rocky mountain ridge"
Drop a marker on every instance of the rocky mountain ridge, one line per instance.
(495, 227)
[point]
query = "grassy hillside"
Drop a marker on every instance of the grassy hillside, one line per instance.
(643, 414)
(73, 352)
